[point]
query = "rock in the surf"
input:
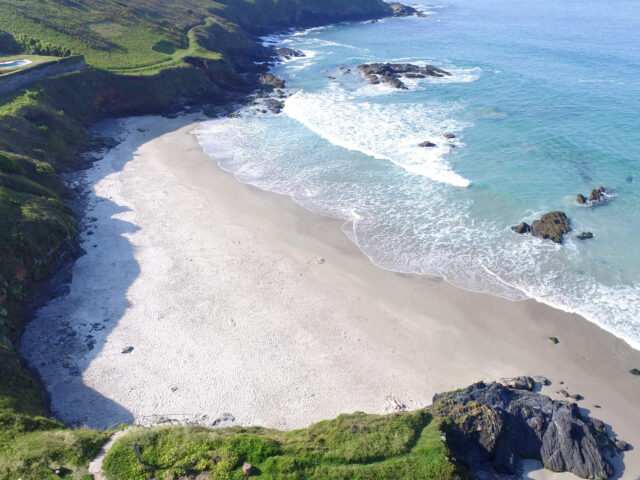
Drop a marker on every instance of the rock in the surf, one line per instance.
(427, 144)
(448, 135)
(552, 226)
(391, 72)
(523, 227)
(271, 82)
(289, 53)
(274, 106)
(585, 236)
(597, 196)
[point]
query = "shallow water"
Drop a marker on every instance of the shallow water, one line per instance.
(544, 102)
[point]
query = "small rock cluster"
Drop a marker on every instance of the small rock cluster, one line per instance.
(597, 196)
(390, 73)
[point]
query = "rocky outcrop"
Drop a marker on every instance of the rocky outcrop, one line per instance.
(271, 82)
(274, 106)
(493, 427)
(289, 53)
(392, 72)
(400, 10)
(551, 226)
(597, 196)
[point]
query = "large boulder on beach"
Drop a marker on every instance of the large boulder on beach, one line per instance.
(552, 226)
(391, 72)
(493, 427)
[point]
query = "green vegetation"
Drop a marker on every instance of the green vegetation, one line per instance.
(144, 57)
(356, 446)
(36, 448)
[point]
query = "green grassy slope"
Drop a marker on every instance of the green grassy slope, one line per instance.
(144, 56)
(357, 446)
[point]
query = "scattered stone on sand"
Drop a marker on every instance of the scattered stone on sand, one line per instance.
(542, 380)
(552, 226)
(128, 349)
(448, 135)
(392, 72)
(555, 341)
(518, 383)
(635, 371)
(563, 392)
(427, 144)
(224, 419)
(289, 53)
(585, 236)
(577, 397)
(493, 427)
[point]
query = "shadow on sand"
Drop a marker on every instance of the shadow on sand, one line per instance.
(70, 330)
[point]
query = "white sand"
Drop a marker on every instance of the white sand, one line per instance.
(239, 302)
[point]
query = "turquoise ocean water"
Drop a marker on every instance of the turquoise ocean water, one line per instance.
(545, 104)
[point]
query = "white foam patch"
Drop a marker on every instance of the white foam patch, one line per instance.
(387, 132)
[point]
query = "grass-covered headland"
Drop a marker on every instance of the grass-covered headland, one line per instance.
(147, 56)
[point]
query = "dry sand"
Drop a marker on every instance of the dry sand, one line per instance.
(243, 308)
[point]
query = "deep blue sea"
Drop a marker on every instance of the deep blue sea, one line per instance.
(545, 104)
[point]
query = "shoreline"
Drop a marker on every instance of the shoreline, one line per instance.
(328, 333)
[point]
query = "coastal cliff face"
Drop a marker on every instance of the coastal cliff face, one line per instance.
(142, 57)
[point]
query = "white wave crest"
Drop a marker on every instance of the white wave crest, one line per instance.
(387, 132)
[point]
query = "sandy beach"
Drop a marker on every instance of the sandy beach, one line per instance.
(204, 299)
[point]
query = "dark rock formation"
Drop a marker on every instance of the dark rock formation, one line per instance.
(274, 106)
(493, 427)
(289, 53)
(585, 236)
(271, 82)
(523, 227)
(448, 135)
(551, 226)
(391, 72)
(634, 371)
(400, 10)
(597, 196)
(555, 341)
(426, 144)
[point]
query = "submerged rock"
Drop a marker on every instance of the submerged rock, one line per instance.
(551, 226)
(391, 72)
(427, 144)
(448, 135)
(585, 236)
(493, 427)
